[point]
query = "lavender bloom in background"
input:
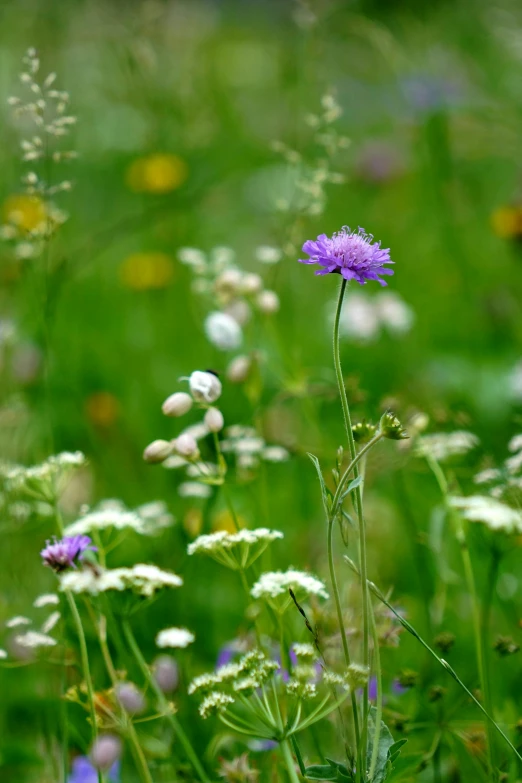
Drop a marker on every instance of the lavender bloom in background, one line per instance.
(260, 746)
(354, 255)
(66, 552)
(84, 772)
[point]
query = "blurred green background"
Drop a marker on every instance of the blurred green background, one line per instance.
(431, 101)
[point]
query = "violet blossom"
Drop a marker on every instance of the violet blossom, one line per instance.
(64, 553)
(352, 254)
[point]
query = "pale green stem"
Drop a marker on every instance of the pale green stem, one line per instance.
(84, 655)
(405, 624)
(163, 703)
(378, 711)
(475, 606)
(289, 761)
(362, 532)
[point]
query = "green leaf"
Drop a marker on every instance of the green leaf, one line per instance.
(351, 486)
(387, 752)
(321, 772)
(327, 495)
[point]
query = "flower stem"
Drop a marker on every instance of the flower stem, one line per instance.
(405, 624)
(378, 713)
(163, 703)
(85, 664)
(361, 525)
(289, 761)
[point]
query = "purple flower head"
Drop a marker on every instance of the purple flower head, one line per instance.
(352, 254)
(84, 772)
(65, 552)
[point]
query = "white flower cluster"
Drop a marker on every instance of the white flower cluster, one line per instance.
(489, 511)
(147, 519)
(249, 448)
(175, 637)
(231, 292)
(304, 650)
(42, 481)
(46, 108)
(443, 445)
(145, 580)
(275, 585)
(365, 317)
(235, 550)
(505, 483)
(215, 702)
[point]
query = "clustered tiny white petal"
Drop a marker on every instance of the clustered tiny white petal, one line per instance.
(491, 512)
(304, 650)
(16, 622)
(515, 444)
(275, 583)
(174, 637)
(143, 579)
(215, 702)
(193, 489)
(34, 639)
(46, 599)
(145, 520)
(441, 445)
(223, 540)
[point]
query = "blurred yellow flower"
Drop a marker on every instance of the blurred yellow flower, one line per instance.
(102, 408)
(224, 520)
(193, 522)
(145, 271)
(24, 211)
(157, 173)
(507, 222)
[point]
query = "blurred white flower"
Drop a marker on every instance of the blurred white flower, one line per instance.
(205, 386)
(174, 637)
(268, 255)
(496, 515)
(223, 331)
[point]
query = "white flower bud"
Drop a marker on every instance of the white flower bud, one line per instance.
(240, 311)
(214, 420)
(166, 673)
(223, 331)
(205, 386)
(268, 302)
(106, 750)
(177, 404)
(130, 698)
(238, 369)
(157, 451)
(228, 281)
(251, 283)
(186, 446)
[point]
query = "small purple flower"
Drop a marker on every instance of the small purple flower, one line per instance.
(66, 552)
(352, 254)
(84, 772)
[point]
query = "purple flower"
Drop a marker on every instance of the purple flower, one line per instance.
(354, 255)
(66, 552)
(84, 772)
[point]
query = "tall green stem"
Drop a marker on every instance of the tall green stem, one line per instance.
(361, 524)
(163, 703)
(378, 713)
(85, 664)
(289, 761)
(475, 608)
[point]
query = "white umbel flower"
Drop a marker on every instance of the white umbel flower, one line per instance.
(16, 622)
(442, 445)
(46, 599)
(276, 585)
(214, 703)
(223, 331)
(143, 579)
(491, 512)
(51, 622)
(34, 639)
(234, 550)
(193, 489)
(174, 637)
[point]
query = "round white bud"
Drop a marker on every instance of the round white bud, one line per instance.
(105, 751)
(228, 281)
(186, 446)
(223, 331)
(157, 451)
(177, 404)
(240, 311)
(238, 369)
(251, 283)
(214, 420)
(268, 302)
(205, 386)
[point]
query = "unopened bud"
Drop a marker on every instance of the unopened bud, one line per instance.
(186, 446)
(205, 386)
(157, 451)
(238, 369)
(391, 427)
(251, 283)
(166, 673)
(363, 431)
(268, 302)
(214, 420)
(106, 750)
(130, 697)
(177, 404)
